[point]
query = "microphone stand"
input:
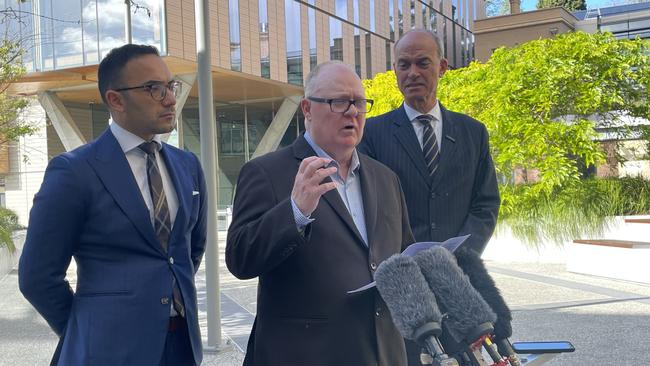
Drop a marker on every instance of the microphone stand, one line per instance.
(427, 335)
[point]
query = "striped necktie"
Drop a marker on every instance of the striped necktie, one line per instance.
(162, 221)
(429, 143)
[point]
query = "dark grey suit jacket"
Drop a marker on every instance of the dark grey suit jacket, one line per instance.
(304, 314)
(462, 197)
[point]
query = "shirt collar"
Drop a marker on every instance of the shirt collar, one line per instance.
(127, 140)
(354, 164)
(413, 114)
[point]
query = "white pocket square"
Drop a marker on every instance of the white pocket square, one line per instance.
(195, 193)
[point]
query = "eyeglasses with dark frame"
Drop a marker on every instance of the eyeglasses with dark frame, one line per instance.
(339, 105)
(158, 91)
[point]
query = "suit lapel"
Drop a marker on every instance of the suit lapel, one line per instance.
(369, 194)
(409, 141)
(448, 148)
(301, 151)
(113, 170)
(183, 187)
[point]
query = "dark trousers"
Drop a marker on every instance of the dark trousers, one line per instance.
(178, 350)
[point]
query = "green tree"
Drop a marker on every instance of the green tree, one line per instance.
(495, 8)
(570, 5)
(538, 100)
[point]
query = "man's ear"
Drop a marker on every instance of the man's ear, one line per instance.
(443, 66)
(114, 100)
(305, 106)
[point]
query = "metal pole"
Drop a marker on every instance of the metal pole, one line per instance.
(210, 167)
(127, 22)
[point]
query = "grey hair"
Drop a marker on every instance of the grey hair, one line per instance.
(434, 36)
(312, 77)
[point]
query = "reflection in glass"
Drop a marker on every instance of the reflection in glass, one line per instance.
(372, 15)
(368, 57)
(357, 38)
(89, 14)
(311, 15)
(391, 19)
(336, 39)
(400, 16)
(235, 45)
(412, 12)
(111, 25)
(341, 9)
(294, 47)
(67, 33)
(264, 40)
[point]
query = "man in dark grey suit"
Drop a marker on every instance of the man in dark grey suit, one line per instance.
(313, 221)
(441, 157)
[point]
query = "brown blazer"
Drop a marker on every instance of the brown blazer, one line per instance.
(304, 314)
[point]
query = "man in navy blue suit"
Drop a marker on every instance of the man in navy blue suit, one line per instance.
(441, 157)
(131, 211)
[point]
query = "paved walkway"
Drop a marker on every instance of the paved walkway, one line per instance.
(608, 321)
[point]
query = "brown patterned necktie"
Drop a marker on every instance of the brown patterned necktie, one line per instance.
(429, 144)
(161, 219)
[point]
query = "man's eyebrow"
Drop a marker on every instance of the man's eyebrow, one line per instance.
(148, 82)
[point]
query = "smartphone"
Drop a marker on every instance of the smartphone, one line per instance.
(543, 347)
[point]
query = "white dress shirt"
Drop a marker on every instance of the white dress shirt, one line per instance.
(419, 128)
(138, 162)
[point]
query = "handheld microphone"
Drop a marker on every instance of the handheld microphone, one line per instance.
(469, 318)
(470, 262)
(412, 305)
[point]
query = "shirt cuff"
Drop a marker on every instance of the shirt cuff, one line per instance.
(301, 220)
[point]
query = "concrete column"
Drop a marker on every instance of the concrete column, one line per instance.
(271, 139)
(62, 121)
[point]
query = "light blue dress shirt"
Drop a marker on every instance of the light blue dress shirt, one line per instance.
(349, 190)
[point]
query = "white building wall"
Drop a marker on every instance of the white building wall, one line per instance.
(28, 159)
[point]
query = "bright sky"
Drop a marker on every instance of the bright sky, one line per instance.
(530, 4)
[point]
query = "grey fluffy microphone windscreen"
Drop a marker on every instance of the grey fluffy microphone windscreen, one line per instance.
(407, 295)
(470, 262)
(465, 307)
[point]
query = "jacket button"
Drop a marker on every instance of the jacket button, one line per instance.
(171, 260)
(164, 300)
(373, 266)
(433, 226)
(378, 312)
(433, 194)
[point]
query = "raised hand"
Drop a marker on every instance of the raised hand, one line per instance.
(308, 186)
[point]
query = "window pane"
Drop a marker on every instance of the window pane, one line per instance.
(264, 40)
(67, 33)
(235, 45)
(294, 48)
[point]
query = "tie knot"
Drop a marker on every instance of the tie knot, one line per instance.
(149, 147)
(425, 119)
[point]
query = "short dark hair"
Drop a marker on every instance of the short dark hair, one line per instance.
(110, 69)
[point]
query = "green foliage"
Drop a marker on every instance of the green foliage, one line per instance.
(11, 68)
(384, 91)
(495, 8)
(574, 211)
(8, 223)
(538, 101)
(570, 5)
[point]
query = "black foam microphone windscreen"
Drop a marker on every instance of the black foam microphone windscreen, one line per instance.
(407, 295)
(470, 262)
(464, 306)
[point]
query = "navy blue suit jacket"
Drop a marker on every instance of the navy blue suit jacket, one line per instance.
(462, 197)
(89, 207)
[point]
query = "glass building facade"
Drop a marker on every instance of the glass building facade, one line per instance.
(271, 41)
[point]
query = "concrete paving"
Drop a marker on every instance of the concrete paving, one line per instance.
(607, 320)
